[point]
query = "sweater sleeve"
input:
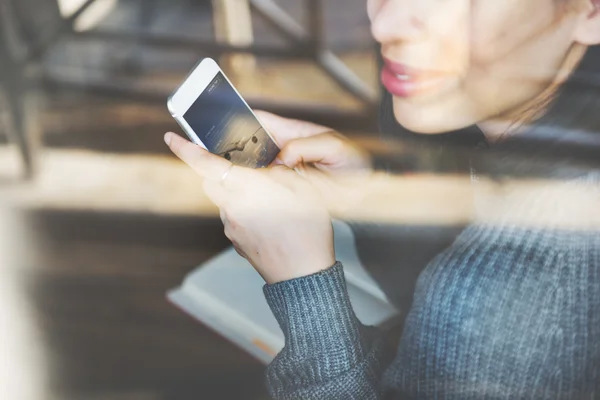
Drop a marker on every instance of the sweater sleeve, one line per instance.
(328, 353)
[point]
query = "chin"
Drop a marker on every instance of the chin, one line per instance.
(429, 119)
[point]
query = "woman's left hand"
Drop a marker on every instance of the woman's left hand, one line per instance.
(273, 217)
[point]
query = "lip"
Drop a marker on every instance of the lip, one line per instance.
(404, 81)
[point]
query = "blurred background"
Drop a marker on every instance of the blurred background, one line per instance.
(100, 220)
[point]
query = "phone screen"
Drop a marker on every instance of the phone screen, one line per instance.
(227, 127)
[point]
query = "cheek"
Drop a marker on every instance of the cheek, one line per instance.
(498, 28)
(451, 26)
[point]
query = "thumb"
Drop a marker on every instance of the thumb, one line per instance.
(283, 130)
(320, 149)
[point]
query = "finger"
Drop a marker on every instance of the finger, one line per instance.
(276, 162)
(218, 194)
(284, 130)
(240, 252)
(223, 216)
(206, 164)
(281, 174)
(229, 234)
(288, 177)
(316, 149)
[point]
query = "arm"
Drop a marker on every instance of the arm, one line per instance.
(328, 353)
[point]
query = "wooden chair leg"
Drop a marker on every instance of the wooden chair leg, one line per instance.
(21, 116)
(233, 25)
(23, 125)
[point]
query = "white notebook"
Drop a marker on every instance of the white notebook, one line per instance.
(225, 294)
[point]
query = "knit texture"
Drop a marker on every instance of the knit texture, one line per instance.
(503, 313)
(328, 353)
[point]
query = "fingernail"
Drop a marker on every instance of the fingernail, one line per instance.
(168, 138)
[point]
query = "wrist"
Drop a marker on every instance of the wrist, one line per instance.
(300, 268)
(314, 312)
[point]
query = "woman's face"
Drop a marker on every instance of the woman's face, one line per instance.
(454, 63)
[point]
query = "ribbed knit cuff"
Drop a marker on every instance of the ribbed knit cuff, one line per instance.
(315, 314)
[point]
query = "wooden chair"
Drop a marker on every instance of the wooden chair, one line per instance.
(27, 29)
(17, 33)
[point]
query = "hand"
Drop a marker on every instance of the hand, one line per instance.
(273, 217)
(338, 168)
(303, 143)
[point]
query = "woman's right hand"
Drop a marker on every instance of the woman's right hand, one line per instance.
(338, 168)
(304, 143)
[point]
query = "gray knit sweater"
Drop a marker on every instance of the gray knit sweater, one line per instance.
(504, 313)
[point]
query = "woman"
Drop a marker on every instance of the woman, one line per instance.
(510, 308)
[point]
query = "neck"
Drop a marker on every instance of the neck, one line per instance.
(517, 120)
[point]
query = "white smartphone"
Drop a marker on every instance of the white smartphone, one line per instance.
(215, 116)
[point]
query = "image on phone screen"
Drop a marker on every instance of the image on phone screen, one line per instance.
(227, 127)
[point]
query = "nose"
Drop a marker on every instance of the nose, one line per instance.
(397, 21)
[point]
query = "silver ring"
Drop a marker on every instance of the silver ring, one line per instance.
(226, 174)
